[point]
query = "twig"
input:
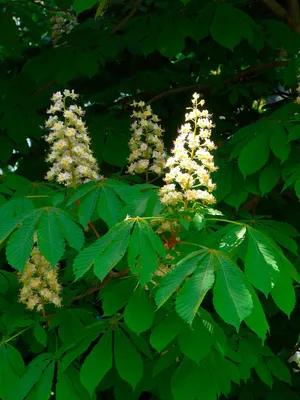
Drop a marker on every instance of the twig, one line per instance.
(276, 8)
(101, 285)
(238, 77)
(58, 10)
(92, 226)
(127, 17)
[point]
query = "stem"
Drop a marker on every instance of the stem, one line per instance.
(14, 336)
(147, 155)
(226, 220)
(92, 226)
(193, 244)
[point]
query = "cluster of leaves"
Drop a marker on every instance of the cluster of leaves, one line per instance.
(214, 315)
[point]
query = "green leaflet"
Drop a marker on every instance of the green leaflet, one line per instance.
(139, 312)
(232, 239)
(11, 369)
(196, 341)
(261, 265)
(88, 205)
(234, 18)
(97, 363)
(40, 334)
(257, 319)
(113, 249)
(69, 386)
(263, 371)
(71, 231)
(269, 178)
(182, 269)
(254, 154)
(109, 206)
(279, 143)
(105, 253)
(194, 290)
(278, 369)
(124, 353)
(42, 389)
(50, 237)
(232, 300)
(163, 333)
(142, 252)
(20, 243)
(116, 294)
(31, 377)
(283, 292)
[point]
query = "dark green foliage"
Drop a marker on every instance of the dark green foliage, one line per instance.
(213, 313)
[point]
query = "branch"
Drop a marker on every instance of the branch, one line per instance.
(276, 8)
(127, 17)
(58, 10)
(293, 16)
(238, 77)
(100, 286)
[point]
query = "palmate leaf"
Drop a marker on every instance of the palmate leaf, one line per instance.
(20, 243)
(68, 386)
(283, 293)
(166, 331)
(173, 280)
(50, 237)
(142, 252)
(194, 290)
(105, 253)
(232, 300)
(42, 389)
(261, 265)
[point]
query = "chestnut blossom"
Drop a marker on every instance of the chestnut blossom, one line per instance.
(146, 144)
(71, 156)
(190, 166)
(62, 25)
(297, 101)
(39, 282)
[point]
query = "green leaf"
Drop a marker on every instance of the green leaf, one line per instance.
(20, 243)
(139, 312)
(88, 205)
(32, 375)
(71, 231)
(283, 292)
(114, 246)
(294, 133)
(279, 143)
(230, 25)
(97, 363)
(50, 237)
(86, 258)
(42, 389)
(263, 372)
(195, 342)
(269, 178)
(109, 206)
(194, 290)
(142, 257)
(257, 319)
(116, 294)
(254, 154)
(261, 265)
(185, 380)
(68, 386)
(278, 369)
(232, 299)
(11, 370)
(173, 279)
(8, 226)
(40, 334)
(232, 239)
(124, 353)
(81, 5)
(165, 332)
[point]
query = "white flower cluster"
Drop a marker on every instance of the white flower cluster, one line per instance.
(146, 144)
(71, 156)
(62, 25)
(39, 282)
(190, 166)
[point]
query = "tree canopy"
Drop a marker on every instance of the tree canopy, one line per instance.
(149, 199)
